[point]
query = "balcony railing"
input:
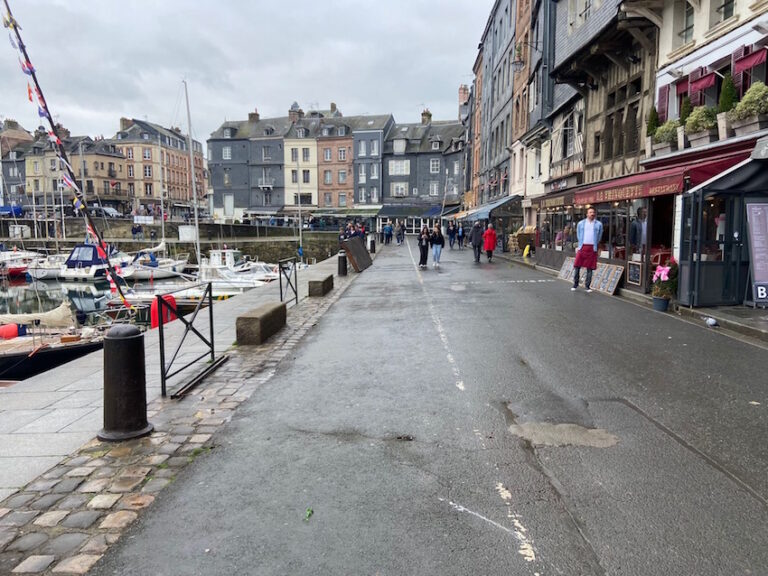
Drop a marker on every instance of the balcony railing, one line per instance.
(569, 165)
(266, 183)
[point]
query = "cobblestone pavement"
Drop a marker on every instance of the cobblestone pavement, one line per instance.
(64, 521)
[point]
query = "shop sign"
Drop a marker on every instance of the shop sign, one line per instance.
(757, 224)
(559, 185)
(556, 202)
(655, 187)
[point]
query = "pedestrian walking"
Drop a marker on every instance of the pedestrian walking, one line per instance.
(489, 241)
(342, 236)
(400, 233)
(388, 233)
(438, 241)
(424, 238)
(476, 239)
(460, 236)
(451, 234)
(588, 232)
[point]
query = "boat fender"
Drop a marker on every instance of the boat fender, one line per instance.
(9, 331)
(168, 315)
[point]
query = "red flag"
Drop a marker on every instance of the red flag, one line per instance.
(29, 92)
(113, 183)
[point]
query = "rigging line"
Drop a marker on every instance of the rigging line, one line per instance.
(57, 143)
(5, 187)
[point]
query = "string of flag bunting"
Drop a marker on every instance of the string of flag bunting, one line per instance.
(68, 179)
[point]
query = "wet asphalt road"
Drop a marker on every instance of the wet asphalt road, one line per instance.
(391, 421)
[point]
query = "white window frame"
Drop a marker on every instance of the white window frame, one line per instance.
(399, 189)
(342, 154)
(148, 171)
(436, 145)
(327, 177)
(130, 170)
(226, 153)
(129, 153)
(362, 148)
(434, 165)
(434, 188)
(342, 199)
(361, 174)
(342, 176)
(374, 147)
(399, 167)
(374, 171)
(294, 154)
(327, 154)
(361, 194)
(146, 153)
(305, 154)
(266, 153)
(374, 193)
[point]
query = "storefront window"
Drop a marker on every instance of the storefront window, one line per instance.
(638, 229)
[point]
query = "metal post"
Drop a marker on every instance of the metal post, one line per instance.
(210, 318)
(280, 269)
(162, 190)
(296, 281)
(160, 303)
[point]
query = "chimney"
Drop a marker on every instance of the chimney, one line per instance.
(426, 116)
(463, 94)
(253, 116)
(125, 123)
(333, 107)
(295, 113)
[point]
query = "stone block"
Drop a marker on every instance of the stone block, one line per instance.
(118, 520)
(28, 542)
(321, 287)
(50, 519)
(257, 325)
(79, 564)
(103, 501)
(34, 564)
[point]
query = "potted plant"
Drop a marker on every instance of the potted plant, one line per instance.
(685, 111)
(701, 126)
(665, 138)
(729, 97)
(664, 286)
(751, 114)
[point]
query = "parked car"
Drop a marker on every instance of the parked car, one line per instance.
(11, 211)
(106, 211)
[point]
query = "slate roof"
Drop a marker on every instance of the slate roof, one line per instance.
(283, 127)
(419, 136)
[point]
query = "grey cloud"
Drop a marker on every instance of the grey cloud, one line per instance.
(99, 60)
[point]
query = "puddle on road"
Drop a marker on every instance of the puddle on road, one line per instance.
(547, 434)
(553, 420)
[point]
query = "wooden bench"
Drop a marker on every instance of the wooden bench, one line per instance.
(257, 325)
(321, 287)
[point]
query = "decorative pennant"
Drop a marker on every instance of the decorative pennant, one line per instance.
(68, 182)
(78, 204)
(53, 138)
(13, 43)
(29, 92)
(62, 161)
(42, 113)
(26, 67)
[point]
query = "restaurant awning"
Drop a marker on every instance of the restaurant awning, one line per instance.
(484, 212)
(748, 177)
(655, 182)
(401, 211)
(706, 81)
(749, 61)
(432, 212)
(450, 211)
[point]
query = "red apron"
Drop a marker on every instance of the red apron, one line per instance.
(586, 257)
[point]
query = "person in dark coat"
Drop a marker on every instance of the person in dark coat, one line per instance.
(423, 246)
(451, 234)
(489, 241)
(476, 239)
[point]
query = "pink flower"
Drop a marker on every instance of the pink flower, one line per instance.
(661, 273)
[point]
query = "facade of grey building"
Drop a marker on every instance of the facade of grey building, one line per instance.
(368, 134)
(14, 175)
(498, 51)
(423, 164)
(245, 163)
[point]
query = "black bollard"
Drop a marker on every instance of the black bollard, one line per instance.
(373, 245)
(125, 385)
(342, 263)
(381, 237)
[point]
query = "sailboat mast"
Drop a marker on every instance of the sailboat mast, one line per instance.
(163, 186)
(192, 174)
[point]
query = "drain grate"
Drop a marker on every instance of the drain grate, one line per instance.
(405, 438)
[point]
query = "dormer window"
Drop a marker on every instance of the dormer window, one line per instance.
(301, 133)
(398, 146)
(326, 131)
(341, 131)
(144, 136)
(268, 131)
(436, 145)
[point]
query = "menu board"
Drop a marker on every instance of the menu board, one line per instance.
(605, 279)
(757, 225)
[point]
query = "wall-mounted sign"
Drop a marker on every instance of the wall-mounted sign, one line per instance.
(757, 226)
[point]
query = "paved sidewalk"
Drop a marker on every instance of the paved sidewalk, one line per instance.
(47, 417)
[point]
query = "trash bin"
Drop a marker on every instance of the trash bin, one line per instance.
(125, 385)
(342, 263)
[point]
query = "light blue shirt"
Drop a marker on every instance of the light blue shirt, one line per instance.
(598, 232)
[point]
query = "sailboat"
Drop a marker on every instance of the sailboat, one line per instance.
(147, 266)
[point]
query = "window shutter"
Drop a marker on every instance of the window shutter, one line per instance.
(663, 106)
(738, 79)
(698, 97)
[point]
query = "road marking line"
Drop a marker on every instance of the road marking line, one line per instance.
(459, 383)
(525, 549)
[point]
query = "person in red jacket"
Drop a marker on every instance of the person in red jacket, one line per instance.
(489, 241)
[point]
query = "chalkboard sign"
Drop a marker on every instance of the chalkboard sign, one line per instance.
(604, 279)
(357, 255)
(635, 273)
(757, 224)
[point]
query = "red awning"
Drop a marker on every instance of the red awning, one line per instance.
(656, 182)
(706, 81)
(749, 61)
(682, 87)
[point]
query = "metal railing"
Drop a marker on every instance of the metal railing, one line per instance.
(167, 371)
(288, 269)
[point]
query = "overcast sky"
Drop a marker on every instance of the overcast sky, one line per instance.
(98, 60)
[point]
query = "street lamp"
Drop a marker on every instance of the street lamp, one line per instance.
(301, 224)
(518, 63)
